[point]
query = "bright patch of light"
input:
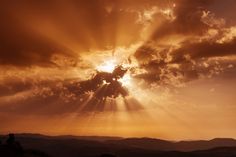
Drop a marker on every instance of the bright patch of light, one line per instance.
(126, 80)
(104, 82)
(107, 66)
(169, 13)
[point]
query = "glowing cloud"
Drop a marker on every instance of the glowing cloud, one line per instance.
(107, 66)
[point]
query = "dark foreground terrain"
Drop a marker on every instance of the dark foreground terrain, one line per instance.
(33, 145)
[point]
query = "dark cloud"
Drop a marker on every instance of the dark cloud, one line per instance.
(64, 96)
(204, 49)
(166, 64)
(189, 62)
(187, 20)
(13, 87)
(145, 53)
(224, 10)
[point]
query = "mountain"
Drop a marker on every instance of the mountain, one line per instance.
(88, 146)
(93, 138)
(157, 144)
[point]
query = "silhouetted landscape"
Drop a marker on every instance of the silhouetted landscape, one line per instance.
(33, 145)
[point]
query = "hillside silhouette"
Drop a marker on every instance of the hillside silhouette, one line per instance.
(35, 145)
(12, 148)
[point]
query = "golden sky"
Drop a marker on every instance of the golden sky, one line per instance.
(180, 57)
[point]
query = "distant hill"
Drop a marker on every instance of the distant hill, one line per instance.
(157, 144)
(94, 138)
(94, 146)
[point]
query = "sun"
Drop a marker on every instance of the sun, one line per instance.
(107, 66)
(126, 80)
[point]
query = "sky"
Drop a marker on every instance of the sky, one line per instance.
(178, 57)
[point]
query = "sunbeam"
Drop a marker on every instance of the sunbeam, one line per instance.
(119, 68)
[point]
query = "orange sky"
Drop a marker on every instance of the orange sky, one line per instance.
(180, 58)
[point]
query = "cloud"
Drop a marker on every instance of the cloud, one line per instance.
(71, 38)
(55, 96)
(188, 20)
(204, 49)
(32, 33)
(180, 48)
(189, 61)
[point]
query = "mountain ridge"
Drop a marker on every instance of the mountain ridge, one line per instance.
(88, 146)
(136, 142)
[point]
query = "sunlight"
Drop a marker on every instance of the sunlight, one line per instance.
(107, 66)
(126, 80)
